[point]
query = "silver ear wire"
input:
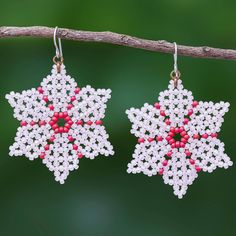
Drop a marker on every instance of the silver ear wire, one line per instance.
(58, 49)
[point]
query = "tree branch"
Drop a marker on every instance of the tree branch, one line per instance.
(119, 39)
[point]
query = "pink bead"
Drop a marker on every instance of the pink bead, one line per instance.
(61, 129)
(75, 147)
(73, 98)
(191, 161)
(42, 122)
(182, 144)
(190, 112)
(169, 154)
(32, 123)
(173, 145)
(89, 122)
(167, 121)
(70, 138)
(65, 114)
(171, 141)
(69, 106)
(162, 113)
(46, 147)
(61, 115)
(141, 140)
(183, 133)
(198, 169)
(65, 130)
(186, 120)
(42, 155)
(45, 98)
(77, 90)
(159, 138)
(157, 105)
(67, 126)
(172, 129)
(40, 89)
(52, 139)
(79, 122)
(150, 140)
(51, 107)
(161, 171)
(176, 130)
(98, 122)
(56, 130)
(195, 103)
(214, 135)
(181, 129)
(205, 136)
(177, 144)
(188, 153)
(196, 136)
(164, 163)
(80, 155)
(23, 123)
(171, 134)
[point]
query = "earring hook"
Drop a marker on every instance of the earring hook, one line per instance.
(175, 74)
(58, 58)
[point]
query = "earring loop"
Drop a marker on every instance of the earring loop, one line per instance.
(58, 58)
(175, 74)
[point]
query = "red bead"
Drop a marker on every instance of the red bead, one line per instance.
(45, 98)
(51, 122)
(177, 144)
(173, 145)
(188, 153)
(172, 129)
(141, 140)
(171, 134)
(195, 103)
(42, 155)
(214, 135)
(61, 129)
(150, 140)
(70, 122)
(98, 122)
(182, 144)
(77, 90)
(73, 98)
(164, 163)
(159, 138)
(205, 136)
(75, 147)
(169, 154)
(176, 130)
(69, 106)
(32, 123)
(162, 113)
(171, 141)
(65, 130)
(168, 138)
(191, 161)
(157, 105)
(56, 114)
(190, 112)
(61, 115)
(89, 122)
(198, 169)
(46, 147)
(186, 120)
(183, 140)
(56, 130)
(161, 171)
(23, 123)
(183, 133)
(42, 122)
(67, 126)
(80, 155)
(40, 89)
(67, 118)
(79, 122)
(167, 121)
(55, 126)
(186, 137)
(52, 139)
(65, 114)
(51, 107)
(196, 136)
(70, 138)
(54, 119)
(181, 129)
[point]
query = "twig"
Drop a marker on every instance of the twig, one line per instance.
(119, 39)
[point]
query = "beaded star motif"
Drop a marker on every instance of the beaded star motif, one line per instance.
(60, 123)
(177, 138)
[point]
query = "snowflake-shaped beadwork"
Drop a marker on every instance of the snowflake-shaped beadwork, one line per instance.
(60, 123)
(177, 138)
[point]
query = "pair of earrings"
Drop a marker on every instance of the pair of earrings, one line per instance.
(62, 123)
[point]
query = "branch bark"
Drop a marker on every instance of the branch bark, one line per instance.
(118, 39)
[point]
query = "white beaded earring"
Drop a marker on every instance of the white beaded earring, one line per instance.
(60, 123)
(177, 136)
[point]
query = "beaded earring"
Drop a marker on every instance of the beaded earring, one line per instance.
(60, 123)
(177, 136)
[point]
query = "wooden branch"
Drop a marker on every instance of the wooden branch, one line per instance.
(119, 39)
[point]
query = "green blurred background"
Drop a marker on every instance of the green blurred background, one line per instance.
(101, 198)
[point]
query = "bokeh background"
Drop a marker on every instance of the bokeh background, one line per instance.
(101, 198)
